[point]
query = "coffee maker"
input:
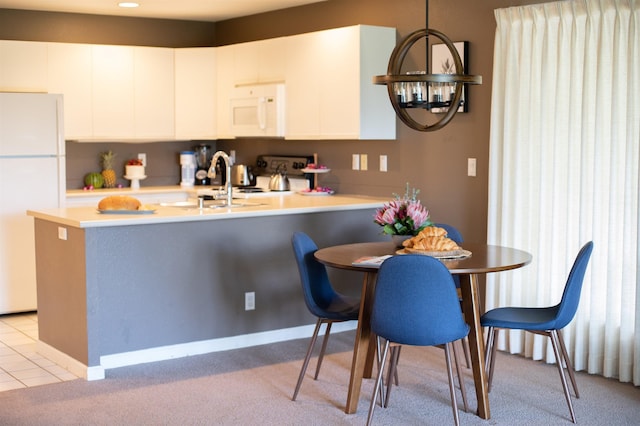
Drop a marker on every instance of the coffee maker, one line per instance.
(203, 154)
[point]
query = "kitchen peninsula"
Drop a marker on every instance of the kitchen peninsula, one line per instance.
(123, 289)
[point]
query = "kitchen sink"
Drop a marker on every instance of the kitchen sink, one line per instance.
(212, 204)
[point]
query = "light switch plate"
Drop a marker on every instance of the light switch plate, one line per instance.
(355, 162)
(471, 166)
(383, 163)
(364, 162)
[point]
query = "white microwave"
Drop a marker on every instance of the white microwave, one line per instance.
(258, 110)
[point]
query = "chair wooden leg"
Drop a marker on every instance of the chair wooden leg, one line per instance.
(452, 388)
(397, 360)
(305, 364)
(565, 387)
(568, 363)
(376, 388)
(324, 347)
(467, 353)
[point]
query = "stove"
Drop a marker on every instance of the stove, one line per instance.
(267, 165)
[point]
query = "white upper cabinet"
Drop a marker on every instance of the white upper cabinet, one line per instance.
(121, 93)
(256, 62)
(224, 86)
(304, 64)
(195, 92)
(112, 84)
(69, 73)
(154, 93)
(329, 90)
(113, 92)
(133, 93)
(23, 66)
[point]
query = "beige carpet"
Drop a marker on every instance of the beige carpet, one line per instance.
(253, 386)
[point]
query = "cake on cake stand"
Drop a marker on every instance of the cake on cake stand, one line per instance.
(135, 174)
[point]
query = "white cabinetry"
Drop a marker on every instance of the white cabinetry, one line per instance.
(195, 93)
(256, 62)
(112, 84)
(154, 93)
(113, 92)
(23, 66)
(69, 73)
(133, 92)
(329, 90)
(225, 84)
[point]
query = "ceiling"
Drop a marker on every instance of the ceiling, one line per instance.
(192, 10)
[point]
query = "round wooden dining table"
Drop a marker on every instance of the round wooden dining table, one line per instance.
(483, 259)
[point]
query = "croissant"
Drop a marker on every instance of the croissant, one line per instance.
(440, 243)
(433, 231)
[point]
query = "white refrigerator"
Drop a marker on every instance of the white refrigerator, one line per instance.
(32, 176)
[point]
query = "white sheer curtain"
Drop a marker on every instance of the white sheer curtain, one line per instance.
(564, 170)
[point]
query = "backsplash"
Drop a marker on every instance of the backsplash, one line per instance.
(163, 160)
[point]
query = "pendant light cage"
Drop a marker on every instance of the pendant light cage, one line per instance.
(422, 90)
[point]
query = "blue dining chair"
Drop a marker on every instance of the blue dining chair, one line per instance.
(320, 297)
(455, 235)
(415, 303)
(547, 321)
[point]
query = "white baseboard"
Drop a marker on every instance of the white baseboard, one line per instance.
(68, 363)
(164, 353)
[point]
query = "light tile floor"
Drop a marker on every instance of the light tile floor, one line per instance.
(20, 365)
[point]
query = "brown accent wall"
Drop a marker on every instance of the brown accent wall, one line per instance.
(98, 29)
(434, 162)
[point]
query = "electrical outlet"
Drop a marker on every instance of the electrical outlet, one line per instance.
(364, 162)
(383, 163)
(250, 301)
(142, 156)
(471, 166)
(355, 162)
(62, 233)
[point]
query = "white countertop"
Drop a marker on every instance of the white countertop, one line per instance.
(88, 217)
(105, 192)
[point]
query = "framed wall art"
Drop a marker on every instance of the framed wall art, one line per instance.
(442, 63)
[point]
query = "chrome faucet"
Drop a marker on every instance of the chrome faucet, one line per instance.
(212, 173)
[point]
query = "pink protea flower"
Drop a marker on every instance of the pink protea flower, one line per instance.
(418, 213)
(403, 215)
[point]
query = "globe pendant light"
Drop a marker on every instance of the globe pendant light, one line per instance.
(421, 89)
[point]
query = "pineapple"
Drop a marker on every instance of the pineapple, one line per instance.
(108, 173)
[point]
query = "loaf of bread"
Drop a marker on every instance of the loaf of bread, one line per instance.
(431, 238)
(119, 202)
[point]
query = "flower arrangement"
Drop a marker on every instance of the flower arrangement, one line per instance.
(403, 215)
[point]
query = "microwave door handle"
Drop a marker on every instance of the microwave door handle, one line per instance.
(262, 112)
